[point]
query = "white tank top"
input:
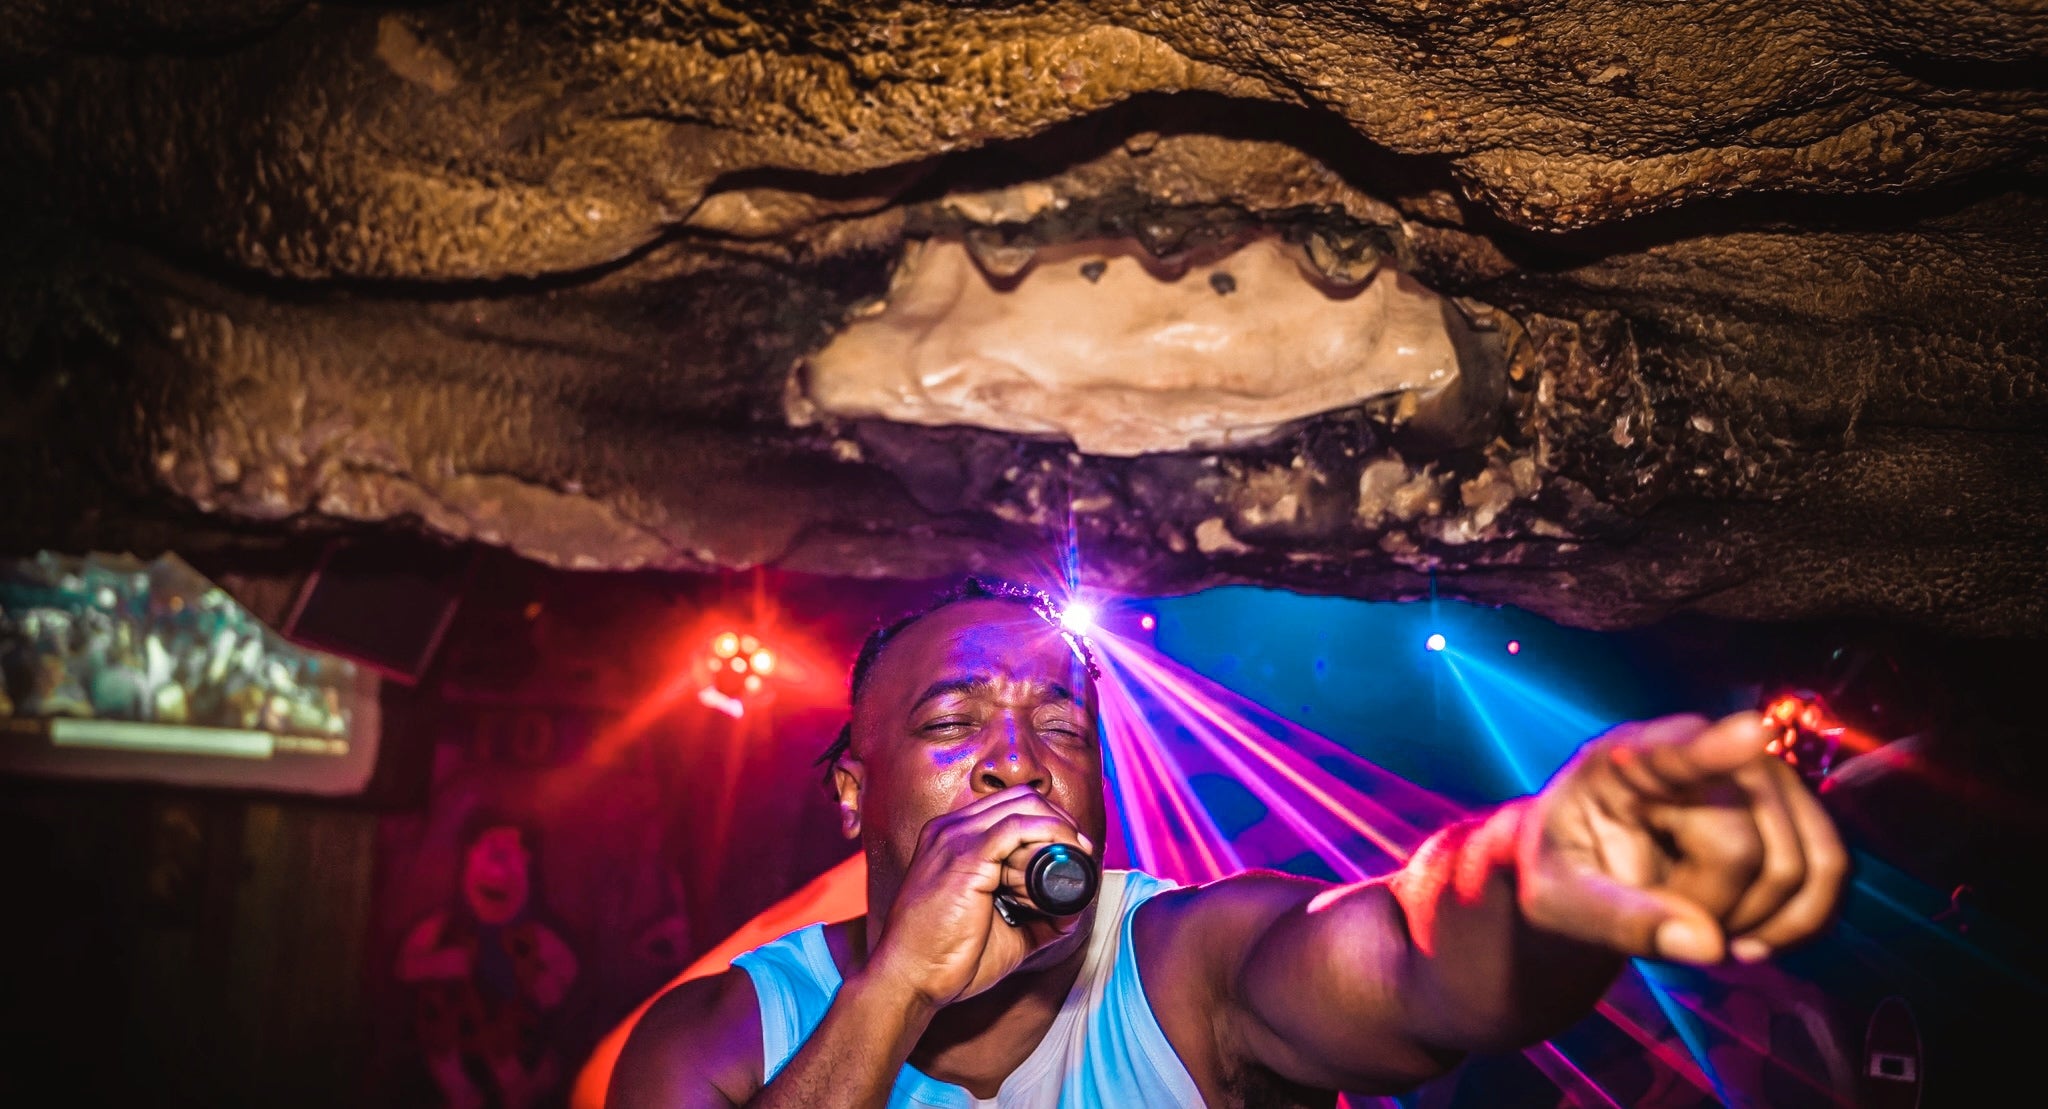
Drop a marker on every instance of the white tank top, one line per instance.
(1105, 1049)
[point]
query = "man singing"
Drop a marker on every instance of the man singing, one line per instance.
(974, 742)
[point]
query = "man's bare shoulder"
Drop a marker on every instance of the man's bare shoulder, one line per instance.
(697, 1047)
(1214, 923)
(1192, 944)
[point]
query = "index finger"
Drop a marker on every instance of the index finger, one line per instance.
(1021, 793)
(986, 812)
(1677, 754)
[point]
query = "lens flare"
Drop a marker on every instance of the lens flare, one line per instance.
(1078, 618)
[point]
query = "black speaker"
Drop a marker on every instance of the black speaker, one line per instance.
(386, 605)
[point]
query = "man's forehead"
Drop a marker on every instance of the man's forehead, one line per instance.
(998, 639)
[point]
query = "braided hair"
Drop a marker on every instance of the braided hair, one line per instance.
(972, 588)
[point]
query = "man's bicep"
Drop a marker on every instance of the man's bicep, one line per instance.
(697, 1047)
(1321, 995)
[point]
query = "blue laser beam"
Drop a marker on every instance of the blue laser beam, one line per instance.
(1688, 1031)
(1486, 724)
(1570, 719)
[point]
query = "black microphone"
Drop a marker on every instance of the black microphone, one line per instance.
(1060, 881)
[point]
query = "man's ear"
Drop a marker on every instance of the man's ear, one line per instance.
(848, 775)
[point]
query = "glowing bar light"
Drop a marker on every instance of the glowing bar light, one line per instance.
(163, 739)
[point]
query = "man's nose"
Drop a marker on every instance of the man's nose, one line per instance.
(1010, 761)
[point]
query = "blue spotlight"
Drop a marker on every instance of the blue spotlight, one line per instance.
(1435, 642)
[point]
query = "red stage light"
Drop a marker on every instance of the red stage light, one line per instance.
(1514, 646)
(740, 665)
(1810, 736)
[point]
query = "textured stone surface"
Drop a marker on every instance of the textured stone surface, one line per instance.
(1095, 343)
(537, 276)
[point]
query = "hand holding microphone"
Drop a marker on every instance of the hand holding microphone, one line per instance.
(1015, 848)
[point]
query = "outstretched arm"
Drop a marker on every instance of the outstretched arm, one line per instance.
(1674, 839)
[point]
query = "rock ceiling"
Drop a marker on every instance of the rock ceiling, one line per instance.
(1745, 298)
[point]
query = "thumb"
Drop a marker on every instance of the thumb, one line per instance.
(1682, 754)
(1593, 908)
